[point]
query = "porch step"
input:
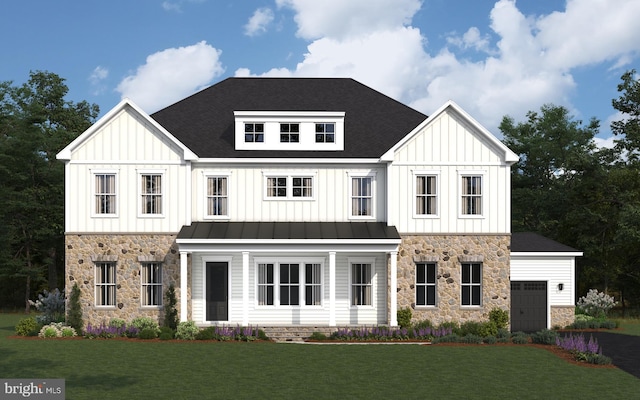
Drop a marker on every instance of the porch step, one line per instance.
(295, 333)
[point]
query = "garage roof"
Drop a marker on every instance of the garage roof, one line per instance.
(529, 242)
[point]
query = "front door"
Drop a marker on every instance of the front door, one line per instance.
(217, 291)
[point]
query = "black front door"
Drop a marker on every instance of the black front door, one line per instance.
(528, 306)
(217, 291)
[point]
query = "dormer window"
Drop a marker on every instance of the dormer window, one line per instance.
(253, 133)
(325, 133)
(289, 133)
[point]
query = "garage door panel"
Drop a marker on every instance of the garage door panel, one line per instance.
(528, 306)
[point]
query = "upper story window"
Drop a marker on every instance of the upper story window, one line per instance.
(105, 193)
(325, 133)
(471, 199)
(151, 193)
(217, 196)
(294, 186)
(289, 133)
(253, 132)
(426, 195)
(302, 186)
(361, 193)
(277, 186)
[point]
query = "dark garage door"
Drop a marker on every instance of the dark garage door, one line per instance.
(528, 306)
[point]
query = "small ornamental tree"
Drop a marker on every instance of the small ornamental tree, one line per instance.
(74, 315)
(596, 304)
(170, 310)
(51, 305)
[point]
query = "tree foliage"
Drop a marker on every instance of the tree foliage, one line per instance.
(36, 122)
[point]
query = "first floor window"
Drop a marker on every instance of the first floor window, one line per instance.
(361, 284)
(471, 284)
(217, 196)
(151, 274)
(312, 284)
(151, 193)
(426, 284)
(265, 284)
(253, 133)
(289, 133)
(325, 133)
(105, 193)
(289, 284)
(426, 195)
(362, 196)
(472, 195)
(105, 284)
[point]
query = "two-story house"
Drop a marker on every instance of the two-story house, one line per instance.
(284, 201)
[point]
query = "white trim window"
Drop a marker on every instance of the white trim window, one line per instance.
(471, 195)
(426, 194)
(361, 196)
(105, 292)
(266, 289)
(276, 186)
(471, 284)
(325, 132)
(289, 186)
(361, 284)
(105, 193)
(289, 282)
(151, 284)
(302, 186)
(151, 193)
(426, 288)
(289, 133)
(253, 132)
(217, 196)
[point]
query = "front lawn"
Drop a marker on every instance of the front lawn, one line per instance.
(116, 369)
(628, 326)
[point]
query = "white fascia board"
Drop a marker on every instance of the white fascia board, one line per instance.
(296, 114)
(287, 161)
(549, 254)
(509, 156)
(65, 154)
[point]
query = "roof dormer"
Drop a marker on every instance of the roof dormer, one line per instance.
(292, 130)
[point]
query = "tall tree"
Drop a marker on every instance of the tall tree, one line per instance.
(35, 123)
(628, 128)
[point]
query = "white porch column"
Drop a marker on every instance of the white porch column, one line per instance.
(245, 288)
(393, 289)
(332, 288)
(183, 285)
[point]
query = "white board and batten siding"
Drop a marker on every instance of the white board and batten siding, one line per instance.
(126, 145)
(449, 147)
(548, 267)
(247, 199)
(288, 315)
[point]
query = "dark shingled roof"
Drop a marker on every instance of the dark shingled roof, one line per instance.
(204, 122)
(526, 242)
(288, 230)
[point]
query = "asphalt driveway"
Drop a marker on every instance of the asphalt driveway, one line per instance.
(624, 350)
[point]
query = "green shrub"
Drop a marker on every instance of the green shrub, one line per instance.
(165, 330)
(499, 317)
(608, 324)
(318, 336)
(545, 336)
(143, 323)
(579, 325)
(117, 323)
(148, 333)
(208, 333)
(488, 328)
(453, 338)
(27, 327)
(262, 335)
(594, 324)
(404, 317)
(423, 324)
(471, 339)
(503, 333)
(170, 308)
(520, 338)
(583, 317)
(74, 314)
(187, 330)
(67, 331)
(490, 340)
(51, 305)
(595, 358)
(51, 331)
(470, 328)
(453, 325)
(165, 336)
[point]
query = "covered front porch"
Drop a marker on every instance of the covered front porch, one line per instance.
(288, 273)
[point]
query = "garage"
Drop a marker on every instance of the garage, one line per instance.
(528, 306)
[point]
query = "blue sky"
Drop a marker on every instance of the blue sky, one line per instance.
(493, 57)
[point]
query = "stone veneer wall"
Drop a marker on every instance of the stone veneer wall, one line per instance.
(562, 316)
(128, 251)
(449, 251)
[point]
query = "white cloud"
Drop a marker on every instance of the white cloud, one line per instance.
(172, 74)
(96, 79)
(607, 142)
(176, 5)
(259, 22)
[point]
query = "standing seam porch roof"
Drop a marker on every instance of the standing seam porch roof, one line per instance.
(205, 122)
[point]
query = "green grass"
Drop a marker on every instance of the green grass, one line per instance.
(629, 326)
(111, 369)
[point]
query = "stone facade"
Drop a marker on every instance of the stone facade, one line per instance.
(128, 251)
(449, 251)
(561, 316)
